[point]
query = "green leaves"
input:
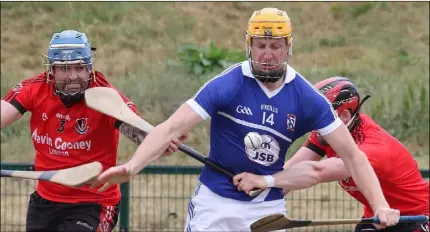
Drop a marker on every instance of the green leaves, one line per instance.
(201, 60)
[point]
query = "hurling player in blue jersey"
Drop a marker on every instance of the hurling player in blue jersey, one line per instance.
(263, 95)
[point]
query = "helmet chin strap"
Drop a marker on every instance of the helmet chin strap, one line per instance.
(350, 124)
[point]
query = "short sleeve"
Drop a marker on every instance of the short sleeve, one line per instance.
(215, 94)
(22, 95)
(314, 144)
(318, 111)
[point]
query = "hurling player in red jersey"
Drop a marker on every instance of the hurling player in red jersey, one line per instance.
(66, 133)
(397, 171)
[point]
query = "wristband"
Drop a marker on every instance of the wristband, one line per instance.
(270, 181)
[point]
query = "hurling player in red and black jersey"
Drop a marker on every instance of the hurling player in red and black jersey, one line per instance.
(66, 133)
(397, 171)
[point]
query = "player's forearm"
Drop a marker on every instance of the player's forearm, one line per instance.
(365, 178)
(294, 160)
(152, 147)
(302, 175)
(303, 154)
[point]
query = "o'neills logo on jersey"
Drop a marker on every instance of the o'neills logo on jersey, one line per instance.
(58, 146)
(347, 188)
(17, 88)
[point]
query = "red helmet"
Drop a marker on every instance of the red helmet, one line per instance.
(341, 92)
(343, 95)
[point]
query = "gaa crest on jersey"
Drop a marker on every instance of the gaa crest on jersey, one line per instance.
(81, 126)
(291, 122)
(267, 154)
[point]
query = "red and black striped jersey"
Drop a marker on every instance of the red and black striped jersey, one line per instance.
(402, 184)
(64, 137)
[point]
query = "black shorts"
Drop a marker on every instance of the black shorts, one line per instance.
(401, 227)
(45, 215)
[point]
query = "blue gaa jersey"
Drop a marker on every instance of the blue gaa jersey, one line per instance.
(237, 104)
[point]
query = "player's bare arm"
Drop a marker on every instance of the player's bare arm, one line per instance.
(158, 140)
(359, 166)
(9, 114)
(303, 154)
(137, 136)
(302, 175)
(132, 133)
(153, 146)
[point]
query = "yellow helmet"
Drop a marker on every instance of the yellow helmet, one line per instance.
(269, 22)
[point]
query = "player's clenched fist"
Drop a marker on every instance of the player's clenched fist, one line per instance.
(114, 175)
(246, 182)
(122, 173)
(387, 217)
(174, 145)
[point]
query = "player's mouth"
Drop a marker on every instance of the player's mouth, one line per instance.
(73, 87)
(268, 67)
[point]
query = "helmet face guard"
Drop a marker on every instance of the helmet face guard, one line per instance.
(69, 65)
(267, 63)
(343, 95)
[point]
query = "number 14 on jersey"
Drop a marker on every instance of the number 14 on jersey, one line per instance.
(267, 118)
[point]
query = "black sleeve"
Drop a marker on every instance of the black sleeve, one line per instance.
(316, 149)
(18, 106)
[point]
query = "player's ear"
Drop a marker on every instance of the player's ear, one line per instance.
(345, 116)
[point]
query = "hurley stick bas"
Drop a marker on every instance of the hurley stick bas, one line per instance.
(72, 177)
(279, 222)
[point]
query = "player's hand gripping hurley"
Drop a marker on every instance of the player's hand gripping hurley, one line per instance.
(72, 177)
(279, 221)
(108, 101)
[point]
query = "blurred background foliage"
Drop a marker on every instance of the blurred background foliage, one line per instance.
(160, 53)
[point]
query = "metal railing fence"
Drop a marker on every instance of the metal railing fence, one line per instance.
(157, 200)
